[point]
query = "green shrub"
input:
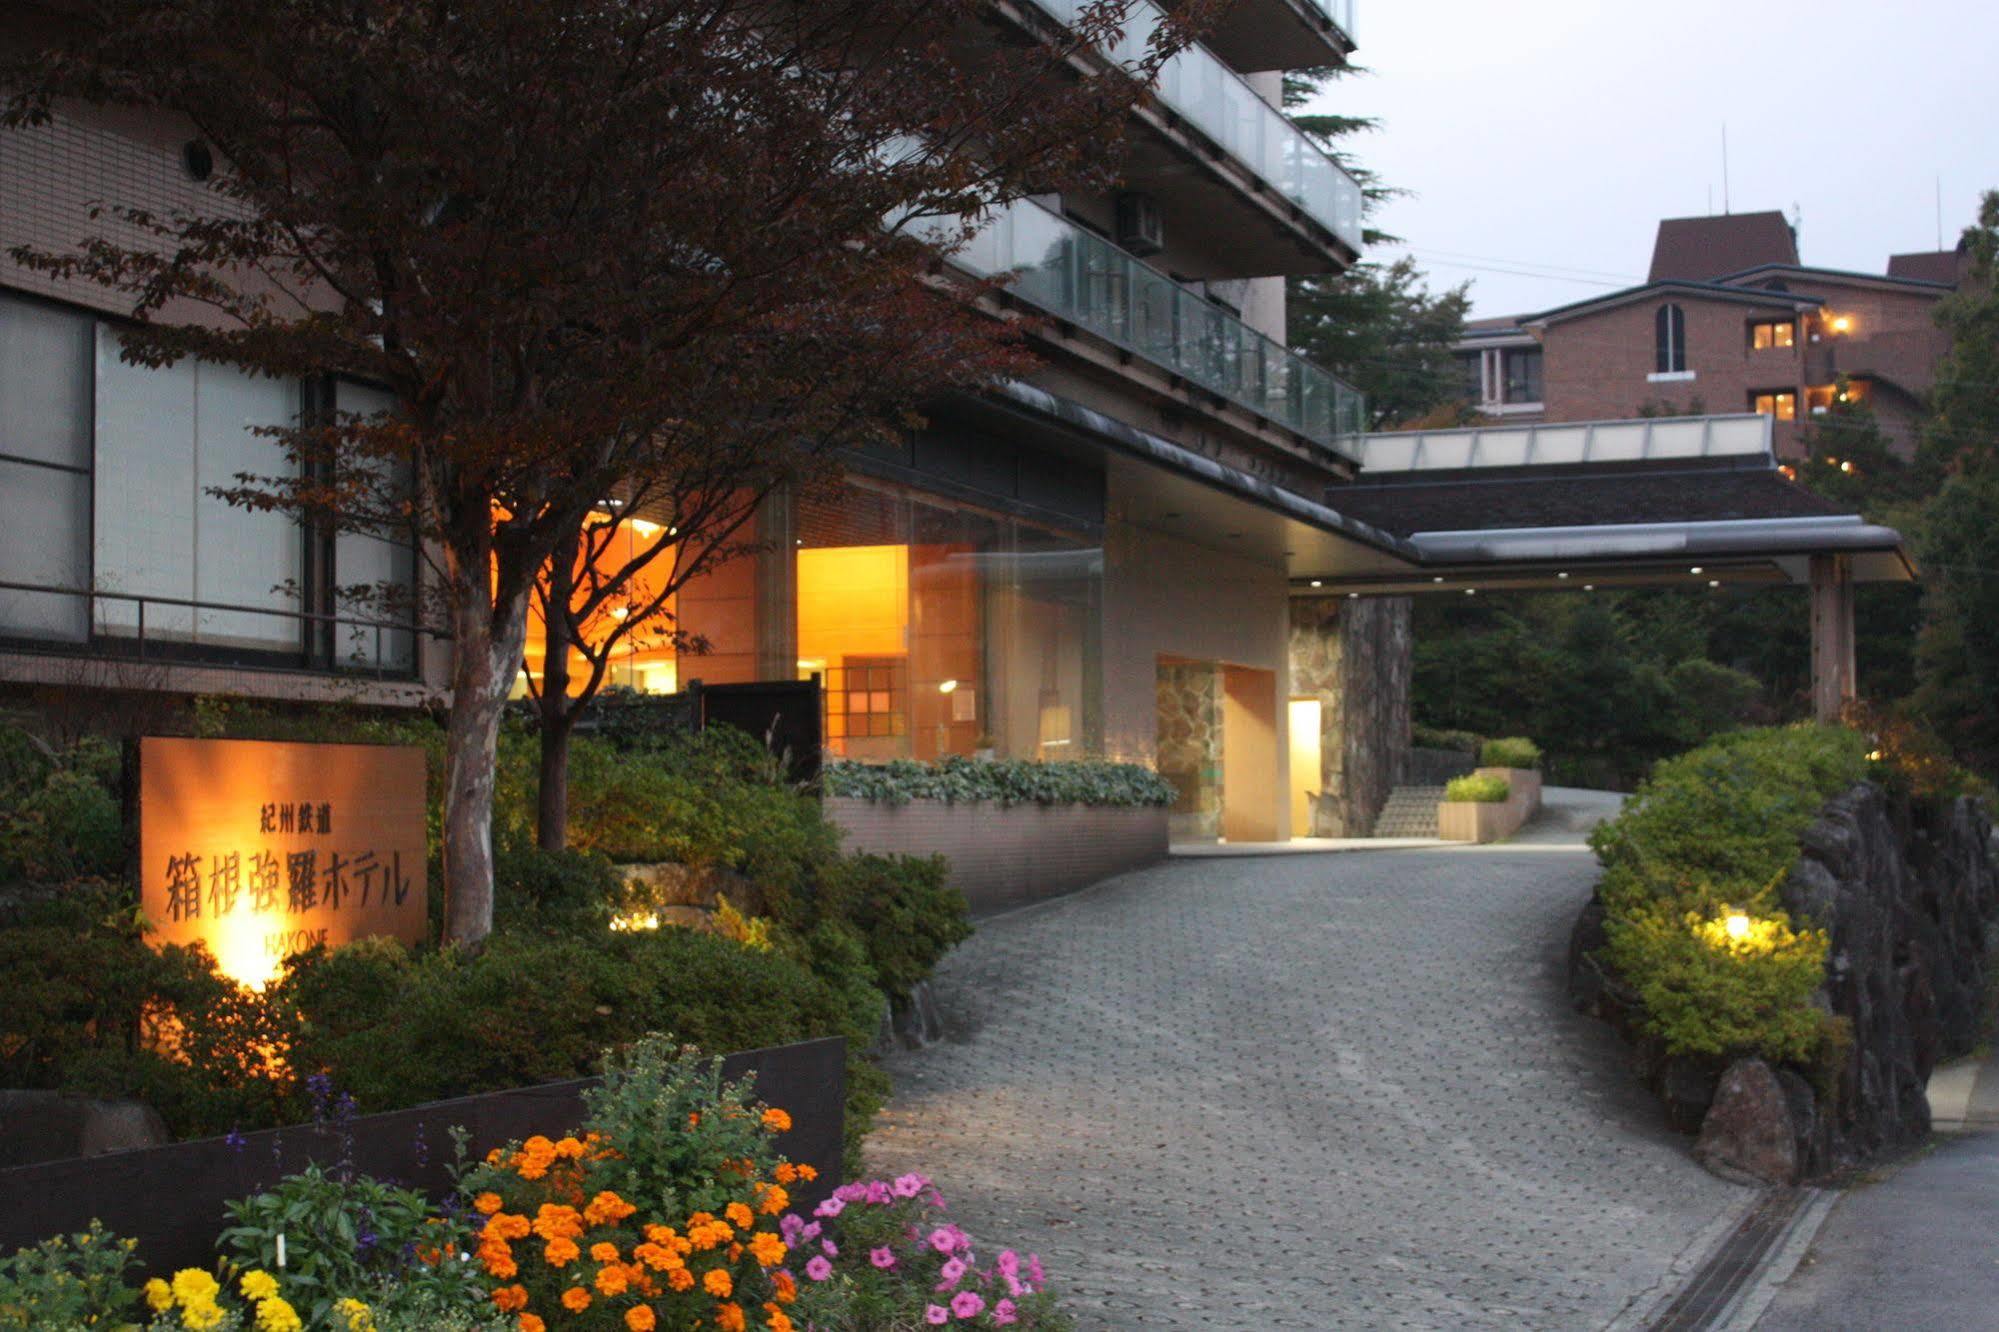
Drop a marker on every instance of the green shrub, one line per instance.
(1711, 834)
(554, 889)
(59, 810)
(1007, 781)
(1512, 752)
(904, 910)
(68, 1281)
(1479, 788)
(1437, 737)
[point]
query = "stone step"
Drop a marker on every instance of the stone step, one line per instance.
(1411, 811)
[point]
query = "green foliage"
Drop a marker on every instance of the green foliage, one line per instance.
(577, 890)
(351, 1237)
(1433, 737)
(1510, 752)
(1008, 781)
(1478, 788)
(903, 909)
(59, 815)
(1709, 835)
(68, 1281)
(1385, 332)
(91, 1009)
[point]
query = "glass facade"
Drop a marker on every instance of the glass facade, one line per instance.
(938, 628)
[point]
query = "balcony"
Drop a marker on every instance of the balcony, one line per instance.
(1083, 279)
(1284, 34)
(1265, 147)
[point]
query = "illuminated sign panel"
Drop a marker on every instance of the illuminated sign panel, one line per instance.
(260, 849)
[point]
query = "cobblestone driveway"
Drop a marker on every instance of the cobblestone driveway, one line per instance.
(1302, 1092)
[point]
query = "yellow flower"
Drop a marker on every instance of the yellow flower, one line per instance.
(274, 1315)
(201, 1316)
(191, 1285)
(258, 1285)
(158, 1295)
(360, 1318)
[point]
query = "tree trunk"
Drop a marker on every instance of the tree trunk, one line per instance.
(558, 714)
(483, 666)
(552, 798)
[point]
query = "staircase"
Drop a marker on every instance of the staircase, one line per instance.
(1411, 811)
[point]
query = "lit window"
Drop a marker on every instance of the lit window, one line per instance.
(1780, 403)
(1669, 339)
(1767, 334)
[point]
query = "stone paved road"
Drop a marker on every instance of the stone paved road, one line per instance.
(1303, 1092)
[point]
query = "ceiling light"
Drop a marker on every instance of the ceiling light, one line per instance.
(1589, 587)
(1353, 596)
(1318, 582)
(1563, 574)
(1471, 591)
(948, 687)
(1438, 579)
(1695, 570)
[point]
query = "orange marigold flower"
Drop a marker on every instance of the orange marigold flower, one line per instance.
(680, 1279)
(784, 1286)
(777, 1121)
(639, 1318)
(561, 1251)
(509, 1298)
(775, 1200)
(558, 1221)
(659, 1234)
(604, 1251)
(611, 1281)
(729, 1318)
(718, 1282)
(807, 1173)
(487, 1203)
(532, 1323)
(743, 1217)
(779, 1320)
(576, 1299)
(786, 1172)
(694, 1121)
(569, 1148)
(767, 1248)
(493, 1157)
(606, 1209)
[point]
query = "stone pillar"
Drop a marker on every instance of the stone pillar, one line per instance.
(1190, 746)
(1833, 673)
(1355, 657)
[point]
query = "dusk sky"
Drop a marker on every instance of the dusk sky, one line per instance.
(1549, 139)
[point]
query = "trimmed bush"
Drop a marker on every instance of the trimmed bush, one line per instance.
(1691, 869)
(1437, 737)
(1478, 788)
(1008, 781)
(1512, 752)
(902, 908)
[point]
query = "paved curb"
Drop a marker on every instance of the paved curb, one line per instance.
(1727, 1278)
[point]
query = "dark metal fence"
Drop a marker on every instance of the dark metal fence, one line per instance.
(171, 1199)
(784, 714)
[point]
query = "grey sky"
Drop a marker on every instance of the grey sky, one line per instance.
(1552, 137)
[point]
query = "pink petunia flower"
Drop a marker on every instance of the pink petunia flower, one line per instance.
(832, 1249)
(936, 1315)
(908, 1186)
(1003, 1313)
(1008, 1262)
(829, 1209)
(810, 1233)
(818, 1269)
(967, 1304)
(884, 1257)
(951, 1273)
(1034, 1269)
(942, 1240)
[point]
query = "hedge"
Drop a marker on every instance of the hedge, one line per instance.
(1478, 789)
(1007, 781)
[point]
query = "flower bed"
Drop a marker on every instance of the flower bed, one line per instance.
(1489, 804)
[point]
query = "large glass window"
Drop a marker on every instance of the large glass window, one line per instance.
(1769, 334)
(1780, 403)
(943, 629)
(374, 571)
(165, 439)
(1523, 374)
(45, 462)
(1471, 375)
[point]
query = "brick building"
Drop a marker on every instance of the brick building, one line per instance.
(1728, 320)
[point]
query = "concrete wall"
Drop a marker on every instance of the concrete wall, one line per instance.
(1169, 597)
(1006, 856)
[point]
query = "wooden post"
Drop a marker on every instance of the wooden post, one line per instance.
(1832, 635)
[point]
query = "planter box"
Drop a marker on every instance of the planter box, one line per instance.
(171, 1198)
(1490, 820)
(1007, 855)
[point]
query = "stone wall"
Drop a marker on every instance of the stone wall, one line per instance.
(1910, 898)
(1190, 746)
(1355, 657)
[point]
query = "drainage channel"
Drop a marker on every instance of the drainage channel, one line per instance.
(1721, 1294)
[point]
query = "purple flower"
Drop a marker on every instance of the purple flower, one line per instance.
(884, 1257)
(878, 1193)
(832, 1249)
(829, 1209)
(936, 1315)
(790, 1227)
(967, 1304)
(1003, 1313)
(908, 1186)
(819, 1269)
(847, 1193)
(235, 1141)
(951, 1273)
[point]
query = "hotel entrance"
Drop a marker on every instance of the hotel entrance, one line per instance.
(1218, 747)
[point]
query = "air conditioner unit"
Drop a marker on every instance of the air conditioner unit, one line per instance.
(1139, 229)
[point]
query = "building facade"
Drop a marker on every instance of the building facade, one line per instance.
(1729, 320)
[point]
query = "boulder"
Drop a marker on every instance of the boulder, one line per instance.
(671, 884)
(38, 1126)
(1748, 1135)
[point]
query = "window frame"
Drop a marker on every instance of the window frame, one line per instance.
(1669, 339)
(1789, 328)
(1775, 395)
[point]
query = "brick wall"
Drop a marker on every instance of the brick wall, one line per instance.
(1007, 855)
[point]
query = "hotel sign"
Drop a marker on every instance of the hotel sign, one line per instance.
(261, 849)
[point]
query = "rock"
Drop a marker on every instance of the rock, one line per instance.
(669, 884)
(1687, 1084)
(49, 1126)
(1748, 1135)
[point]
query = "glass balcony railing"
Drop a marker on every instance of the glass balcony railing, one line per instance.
(1214, 98)
(1080, 277)
(1340, 12)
